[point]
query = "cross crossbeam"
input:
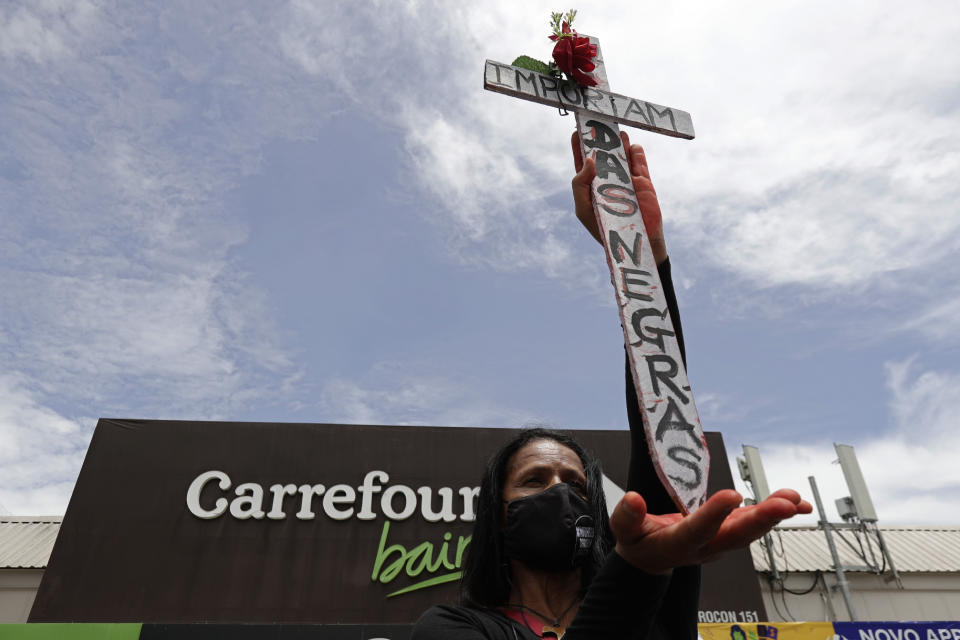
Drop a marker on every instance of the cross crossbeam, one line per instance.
(537, 87)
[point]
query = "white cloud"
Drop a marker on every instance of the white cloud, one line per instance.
(117, 173)
(940, 320)
(45, 31)
(117, 287)
(827, 144)
(909, 467)
(717, 410)
(40, 450)
(406, 394)
(485, 165)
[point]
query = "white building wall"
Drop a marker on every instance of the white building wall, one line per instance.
(18, 587)
(925, 596)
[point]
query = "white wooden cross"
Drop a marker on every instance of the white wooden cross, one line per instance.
(670, 418)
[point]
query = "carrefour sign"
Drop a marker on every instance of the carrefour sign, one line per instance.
(178, 521)
(430, 563)
(339, 502)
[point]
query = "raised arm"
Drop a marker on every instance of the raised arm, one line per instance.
(670, 602)
(650, 536)
(642, 476)
(659, 542)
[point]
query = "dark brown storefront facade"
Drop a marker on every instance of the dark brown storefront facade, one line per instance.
(217, 522)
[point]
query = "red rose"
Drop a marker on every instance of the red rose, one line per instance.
(574, 56)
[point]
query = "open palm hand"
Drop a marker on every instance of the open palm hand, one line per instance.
(659, 543)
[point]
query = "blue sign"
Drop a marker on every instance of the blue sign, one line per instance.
(948, 630)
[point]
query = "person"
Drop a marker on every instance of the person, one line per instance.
(545, 559)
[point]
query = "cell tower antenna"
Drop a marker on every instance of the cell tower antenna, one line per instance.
(751, 472)
(855, 483)
(858, 508)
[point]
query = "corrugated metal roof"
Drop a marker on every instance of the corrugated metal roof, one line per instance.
(914, 549)
(26, 541)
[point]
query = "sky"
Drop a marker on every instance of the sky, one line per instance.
(313, 212)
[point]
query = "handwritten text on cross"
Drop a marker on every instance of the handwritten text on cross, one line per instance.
(554, 92)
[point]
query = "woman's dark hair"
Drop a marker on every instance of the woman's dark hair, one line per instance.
(486, 569)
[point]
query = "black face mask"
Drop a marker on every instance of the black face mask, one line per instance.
(551, 530)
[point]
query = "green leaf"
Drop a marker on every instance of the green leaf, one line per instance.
(526, 62)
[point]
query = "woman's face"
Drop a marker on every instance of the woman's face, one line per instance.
(539, 465)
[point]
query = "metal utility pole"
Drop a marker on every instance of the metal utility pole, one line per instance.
(838, 568)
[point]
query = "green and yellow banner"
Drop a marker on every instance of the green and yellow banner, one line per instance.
(768, 631)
